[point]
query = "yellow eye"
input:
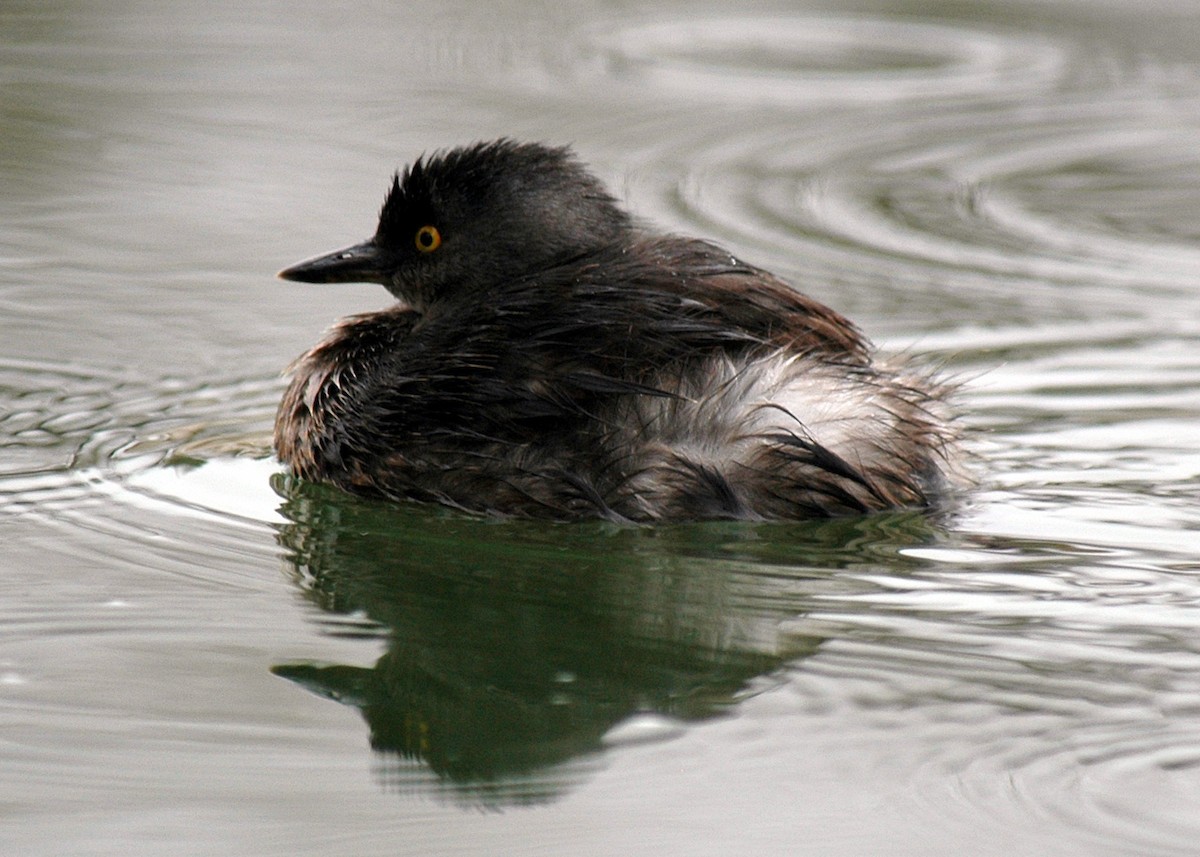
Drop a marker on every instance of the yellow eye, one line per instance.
(428, 239)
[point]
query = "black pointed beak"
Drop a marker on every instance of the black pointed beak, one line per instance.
(362, 263)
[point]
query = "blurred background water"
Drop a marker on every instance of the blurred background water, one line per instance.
(199, 656)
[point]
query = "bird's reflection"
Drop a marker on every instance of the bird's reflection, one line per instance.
(515, 647)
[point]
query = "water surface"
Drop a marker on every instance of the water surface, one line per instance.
(201, 656)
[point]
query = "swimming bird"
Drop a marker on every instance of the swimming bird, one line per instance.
(551, 356)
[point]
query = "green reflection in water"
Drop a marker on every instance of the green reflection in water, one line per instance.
(514, 647)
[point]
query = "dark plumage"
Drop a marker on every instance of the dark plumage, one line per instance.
(550, 357)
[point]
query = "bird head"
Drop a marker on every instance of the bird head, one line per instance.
(462, 223)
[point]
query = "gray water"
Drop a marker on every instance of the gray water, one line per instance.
(199, 656)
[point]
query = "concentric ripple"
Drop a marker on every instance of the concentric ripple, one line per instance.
(90, 452)
(1134, 780)
(1029, 210)
(1088, 716)
(806, 61)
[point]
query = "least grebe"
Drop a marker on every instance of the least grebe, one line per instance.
(551, 356)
